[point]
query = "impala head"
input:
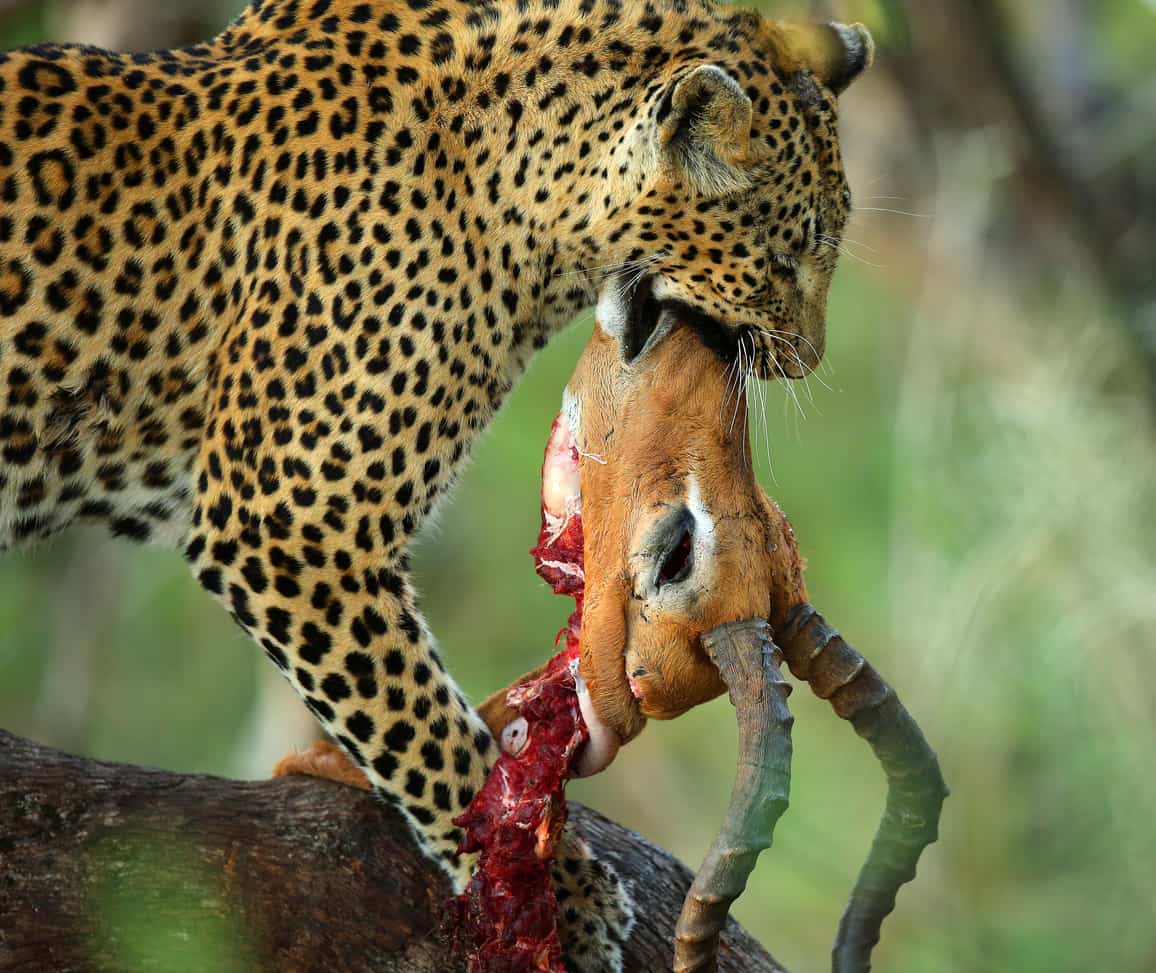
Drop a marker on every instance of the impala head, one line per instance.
(730, 198)
(679, 537)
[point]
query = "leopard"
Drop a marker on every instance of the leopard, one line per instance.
(261, 294)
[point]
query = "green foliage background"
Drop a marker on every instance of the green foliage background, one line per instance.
(974, 485)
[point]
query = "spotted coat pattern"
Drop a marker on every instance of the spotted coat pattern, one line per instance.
(258, 296)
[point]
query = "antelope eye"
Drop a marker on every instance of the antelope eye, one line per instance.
(668, 550)
(675, 567)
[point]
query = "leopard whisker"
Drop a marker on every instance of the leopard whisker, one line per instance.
(761, 393)
(731, 388)
(838, 246)
(775, 333)
(894, 212)
(610, 269)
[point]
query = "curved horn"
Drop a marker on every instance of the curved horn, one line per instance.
(916, 790)
(748, 662)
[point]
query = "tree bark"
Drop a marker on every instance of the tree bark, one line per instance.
(102, 861)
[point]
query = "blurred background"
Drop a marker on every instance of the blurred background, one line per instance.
(972, 476)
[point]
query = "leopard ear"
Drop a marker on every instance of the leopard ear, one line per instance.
(704, 127)
(835, 54)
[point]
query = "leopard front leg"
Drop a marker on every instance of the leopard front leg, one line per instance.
(301, 563)
(299, 530)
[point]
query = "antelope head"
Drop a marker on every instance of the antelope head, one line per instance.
(684, 562)
(679, 537)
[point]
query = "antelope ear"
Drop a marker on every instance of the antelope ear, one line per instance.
(704, 124)
(835, 54)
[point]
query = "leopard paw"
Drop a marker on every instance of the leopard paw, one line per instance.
(595, 909)
(325, 760)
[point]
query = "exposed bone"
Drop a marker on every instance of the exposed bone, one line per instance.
(748, 662)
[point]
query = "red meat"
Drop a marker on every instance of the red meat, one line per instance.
(508, 914)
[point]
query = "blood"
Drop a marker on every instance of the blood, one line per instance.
(507, 917)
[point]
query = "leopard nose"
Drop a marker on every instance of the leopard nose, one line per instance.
(800, 362)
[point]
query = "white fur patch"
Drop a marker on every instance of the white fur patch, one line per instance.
(704, 528)
(613, 308)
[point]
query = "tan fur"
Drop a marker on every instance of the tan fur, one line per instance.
(652, 427)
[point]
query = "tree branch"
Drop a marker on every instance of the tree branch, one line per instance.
(301, 874)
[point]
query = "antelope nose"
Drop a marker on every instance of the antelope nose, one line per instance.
(671, 548)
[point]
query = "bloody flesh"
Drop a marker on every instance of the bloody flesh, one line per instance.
(508, 913)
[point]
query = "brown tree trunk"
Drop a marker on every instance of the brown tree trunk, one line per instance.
(102, 864)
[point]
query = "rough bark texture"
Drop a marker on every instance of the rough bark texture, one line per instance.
(307, 874)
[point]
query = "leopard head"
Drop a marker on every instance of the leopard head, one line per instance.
(731, 197)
